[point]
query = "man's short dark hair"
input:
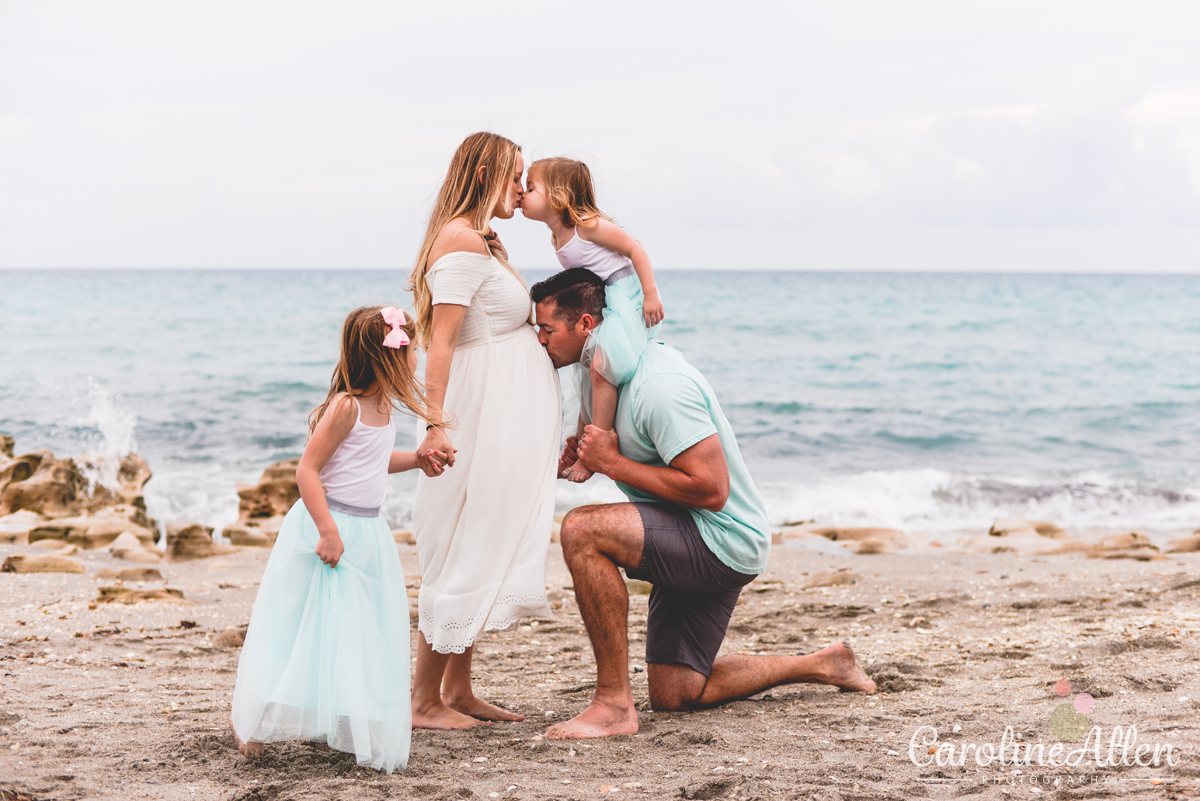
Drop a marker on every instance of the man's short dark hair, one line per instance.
(576, 292)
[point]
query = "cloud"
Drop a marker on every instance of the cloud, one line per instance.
(223, 134)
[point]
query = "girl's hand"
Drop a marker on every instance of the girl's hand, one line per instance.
(435, 442)
(434, 464)
(652, 308)
(570, 455)
(330, 548)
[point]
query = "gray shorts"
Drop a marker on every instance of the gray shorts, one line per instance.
(694, 592)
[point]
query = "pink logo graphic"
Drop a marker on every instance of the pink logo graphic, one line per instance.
(1069, 722)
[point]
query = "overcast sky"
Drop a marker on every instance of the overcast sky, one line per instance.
(875, 135)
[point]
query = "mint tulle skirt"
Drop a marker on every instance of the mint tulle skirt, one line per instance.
(617, 345)
(326, 654)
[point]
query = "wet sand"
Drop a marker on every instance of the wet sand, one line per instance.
(103, 700)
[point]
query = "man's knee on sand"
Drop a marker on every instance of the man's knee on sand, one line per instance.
(674, 688)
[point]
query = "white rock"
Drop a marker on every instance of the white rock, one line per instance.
(125, 540)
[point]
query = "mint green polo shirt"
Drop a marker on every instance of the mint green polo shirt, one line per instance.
(666, 408)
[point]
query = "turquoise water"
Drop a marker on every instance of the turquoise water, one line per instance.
(925, 401)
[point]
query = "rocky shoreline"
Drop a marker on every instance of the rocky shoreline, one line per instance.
(52, 503)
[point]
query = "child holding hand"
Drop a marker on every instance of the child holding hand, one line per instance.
(326, 655)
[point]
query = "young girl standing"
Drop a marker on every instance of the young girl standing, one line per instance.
(326, 653)
(559, 193)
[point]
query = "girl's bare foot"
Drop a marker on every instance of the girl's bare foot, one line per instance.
(250, 750)
(577, 473)
(440, 716)
(482, 710)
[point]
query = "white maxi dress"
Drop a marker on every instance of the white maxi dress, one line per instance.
(483, 526)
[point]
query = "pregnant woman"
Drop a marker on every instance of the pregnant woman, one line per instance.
(483, 528)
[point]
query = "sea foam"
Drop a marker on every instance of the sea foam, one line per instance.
(113, 439)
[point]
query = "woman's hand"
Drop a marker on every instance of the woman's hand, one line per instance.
(652, 308)
(330, 548)
(435, 453)
(435, 463)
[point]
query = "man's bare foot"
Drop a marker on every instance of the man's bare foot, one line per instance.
(481, 710)
(441, 716)
(598, 720)
(250, 750)
(843, 669)
(577, 473)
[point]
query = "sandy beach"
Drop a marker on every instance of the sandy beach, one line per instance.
(115, 700)
(923, 275)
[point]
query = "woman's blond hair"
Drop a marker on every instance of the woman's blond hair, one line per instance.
(465, 193)
(569, 190)
(365, 360)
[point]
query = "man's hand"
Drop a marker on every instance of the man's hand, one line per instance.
(569, 454)
(598, 451)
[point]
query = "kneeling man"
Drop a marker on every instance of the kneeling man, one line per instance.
(695, 528)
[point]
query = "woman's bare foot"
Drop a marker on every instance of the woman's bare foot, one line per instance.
(598, 720)
(250, 750)
(843, 669)
(482, 710)
(440, 716)
(577, 473)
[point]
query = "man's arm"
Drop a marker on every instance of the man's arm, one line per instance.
(698, 477)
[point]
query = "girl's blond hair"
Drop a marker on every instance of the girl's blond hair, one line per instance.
(365, 360)
(569, 190)
(465, 194)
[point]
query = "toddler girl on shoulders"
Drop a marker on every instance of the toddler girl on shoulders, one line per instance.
(559, 193)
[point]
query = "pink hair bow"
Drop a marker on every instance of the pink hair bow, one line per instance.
(395, 318)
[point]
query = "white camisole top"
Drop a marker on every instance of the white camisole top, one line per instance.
(356, 474)
(578, 252)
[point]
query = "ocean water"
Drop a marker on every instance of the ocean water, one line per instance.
(929, 402)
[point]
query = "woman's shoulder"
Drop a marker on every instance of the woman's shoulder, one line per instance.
(462, 260)
(457, 239)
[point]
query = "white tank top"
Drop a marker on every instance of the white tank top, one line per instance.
(357, 472)
(578, 252)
